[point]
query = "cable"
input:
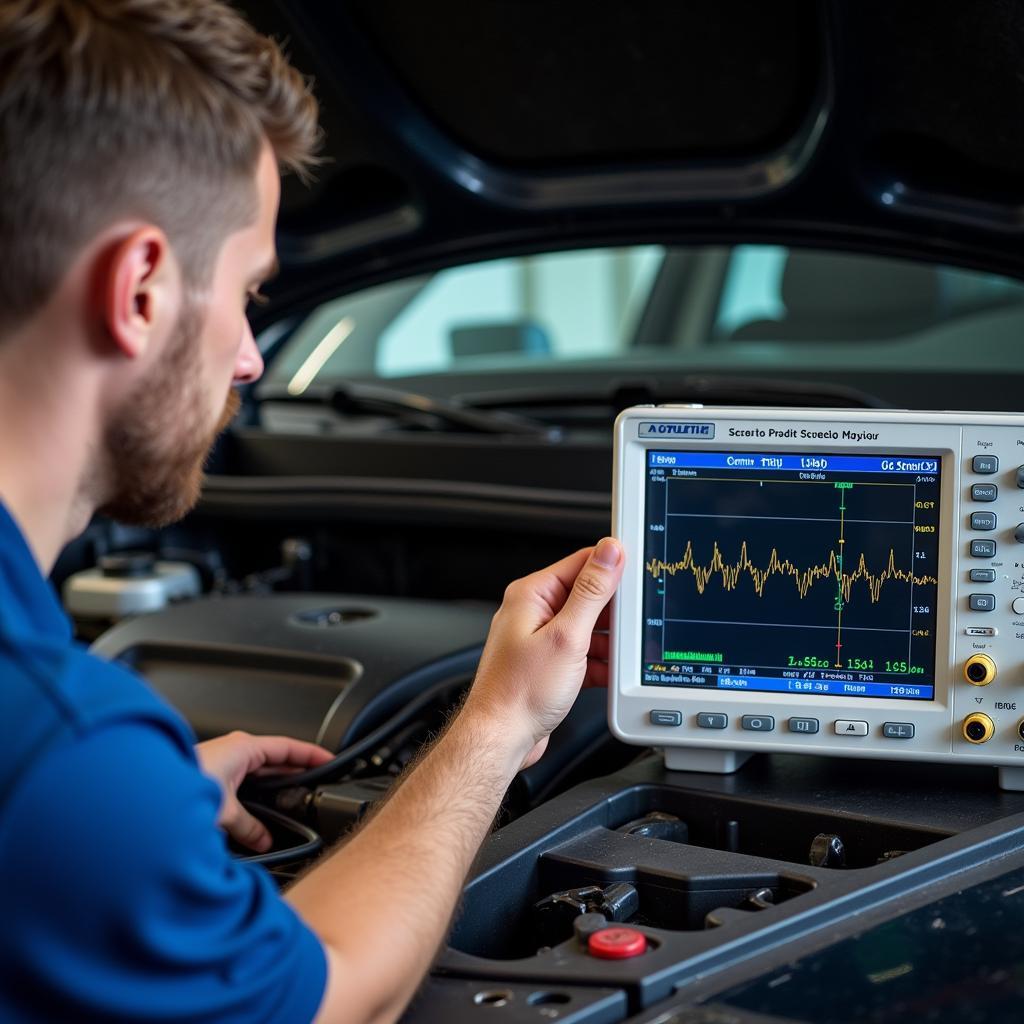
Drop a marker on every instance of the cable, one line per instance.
(312, 844)
(344, 757)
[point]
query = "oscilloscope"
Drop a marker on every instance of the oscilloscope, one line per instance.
(845, 582)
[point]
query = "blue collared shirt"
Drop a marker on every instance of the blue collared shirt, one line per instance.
(120, 900)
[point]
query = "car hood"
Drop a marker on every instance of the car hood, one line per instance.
(461, 129)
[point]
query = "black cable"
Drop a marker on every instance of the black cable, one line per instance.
(312, 844)
(349, 754)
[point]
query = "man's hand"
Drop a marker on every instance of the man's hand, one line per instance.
(548, 639)
(229, 759)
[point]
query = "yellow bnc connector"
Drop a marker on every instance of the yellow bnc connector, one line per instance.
(979, 670)
(978, 728)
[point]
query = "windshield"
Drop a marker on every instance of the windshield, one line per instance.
(740, 307)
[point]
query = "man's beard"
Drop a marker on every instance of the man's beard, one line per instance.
(154, 449)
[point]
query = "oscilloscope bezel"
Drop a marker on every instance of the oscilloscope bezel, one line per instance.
(900, 433)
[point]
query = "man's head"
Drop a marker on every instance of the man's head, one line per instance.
(161, 429)
(139, 149)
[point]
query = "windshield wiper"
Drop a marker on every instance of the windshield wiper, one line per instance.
(421, 411)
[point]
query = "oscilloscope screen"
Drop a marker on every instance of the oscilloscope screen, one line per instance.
(807, 573)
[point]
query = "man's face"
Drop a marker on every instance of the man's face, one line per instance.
(157, 443)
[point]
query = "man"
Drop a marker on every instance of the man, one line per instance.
(140, 142)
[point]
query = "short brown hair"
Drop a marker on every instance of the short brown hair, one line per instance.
(134, 108)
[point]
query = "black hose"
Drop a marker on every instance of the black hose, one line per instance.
(346, 756)
(312, 843)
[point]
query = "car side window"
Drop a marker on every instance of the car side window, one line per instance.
(557, 305)
(507, 312)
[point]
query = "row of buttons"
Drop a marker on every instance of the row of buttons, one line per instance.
(987, 548)
(988, 464)
(766, 723)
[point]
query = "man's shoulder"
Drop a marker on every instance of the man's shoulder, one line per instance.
(54, 692)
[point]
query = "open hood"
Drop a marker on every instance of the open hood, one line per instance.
(460, 129)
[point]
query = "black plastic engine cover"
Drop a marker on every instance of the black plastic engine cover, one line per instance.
(320, 667)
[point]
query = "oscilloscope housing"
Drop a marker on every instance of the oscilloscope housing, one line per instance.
(706, 708)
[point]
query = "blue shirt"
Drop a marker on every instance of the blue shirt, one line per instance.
(120, 899)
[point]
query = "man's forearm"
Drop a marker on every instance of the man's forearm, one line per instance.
(381, 903)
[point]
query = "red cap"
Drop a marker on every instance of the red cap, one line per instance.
(617, 943)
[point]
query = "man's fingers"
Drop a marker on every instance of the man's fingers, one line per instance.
(564, 571)
(284, 751)
(535, 599)
(592, 590)
(244, 828)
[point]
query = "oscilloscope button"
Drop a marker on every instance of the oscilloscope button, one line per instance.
(982, 602)
(983, 575)
(1018, 606)
(804, 725)
(844, 727)
(758, 723)
(666, 718)
(898, 730)
(983, 549)
(709, 720)
(983, 520)
(984, 492)
(986, 464)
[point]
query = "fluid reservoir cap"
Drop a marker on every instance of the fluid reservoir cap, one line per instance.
(101, 594)
(617, 943)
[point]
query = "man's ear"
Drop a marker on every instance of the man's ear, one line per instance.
(140, 290)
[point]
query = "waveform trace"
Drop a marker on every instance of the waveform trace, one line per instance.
(804, 579)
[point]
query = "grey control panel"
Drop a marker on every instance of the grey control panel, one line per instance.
(827, 581)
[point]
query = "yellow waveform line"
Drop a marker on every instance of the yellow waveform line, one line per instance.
(803, 578)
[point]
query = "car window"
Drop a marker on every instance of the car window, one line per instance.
(548, 307)
(808, 296)
(740, 306)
